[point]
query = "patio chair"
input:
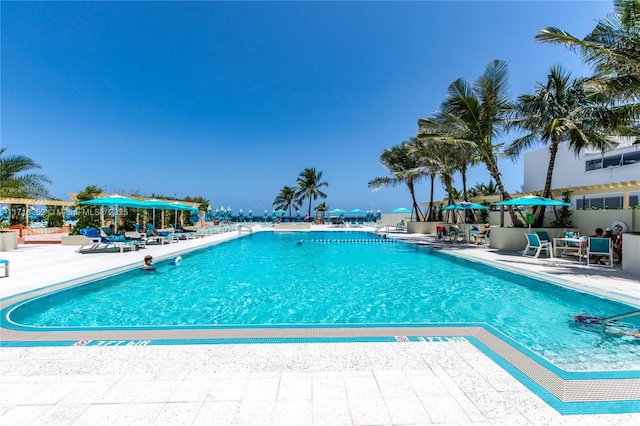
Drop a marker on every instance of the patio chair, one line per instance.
(400, 225)
(4, 264)
(600, 247)
(544, 236)
(538, 246)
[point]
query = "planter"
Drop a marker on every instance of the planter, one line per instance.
(513, 239)
(8, 240)
(422, 227)
(631, 253)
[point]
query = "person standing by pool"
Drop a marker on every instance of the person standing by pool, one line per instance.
(148, 263)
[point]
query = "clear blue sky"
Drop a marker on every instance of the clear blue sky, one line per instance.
(232, 100)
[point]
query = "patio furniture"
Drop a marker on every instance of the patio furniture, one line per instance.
(600, 247)
(4, 264)
(534, 243)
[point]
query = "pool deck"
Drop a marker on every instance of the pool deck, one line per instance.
(411, 377)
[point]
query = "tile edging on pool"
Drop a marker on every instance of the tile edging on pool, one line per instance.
(572, 285)
(591, 387)
(582, 387)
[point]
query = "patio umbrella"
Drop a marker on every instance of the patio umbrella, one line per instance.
(178, 206)
(114, 200)
(209, 215)
(464, 206)
(532, 200)
(401, 210)
(279, 212)
(240, 216)
(156, 204)
(195, 215)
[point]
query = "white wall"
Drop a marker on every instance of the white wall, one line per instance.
(570, 170)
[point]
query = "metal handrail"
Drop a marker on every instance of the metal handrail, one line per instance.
(381, 227)
(605, 321)
(246, 227)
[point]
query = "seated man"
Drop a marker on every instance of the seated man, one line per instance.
(599, 234)
(180, 228)
(616, 242)
(483, 233)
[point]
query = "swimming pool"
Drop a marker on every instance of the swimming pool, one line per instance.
(339, 279)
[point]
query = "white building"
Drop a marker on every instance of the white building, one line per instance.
(610, 180)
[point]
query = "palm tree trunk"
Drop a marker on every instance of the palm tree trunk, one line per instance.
(430, 217)
(495, 174)
(416, 208)
(553, 151)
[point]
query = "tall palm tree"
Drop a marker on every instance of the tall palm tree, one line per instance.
(612, 48)
(430, 155)
(560, 110)
(322, 208)
(17, 182)
(309, 186)
(477, 114)
(286, 199)
(404, 165)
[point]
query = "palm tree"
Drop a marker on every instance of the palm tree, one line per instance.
(322, 207)
(476, 114)
(429, 152)
(612, 48)
(286, 199)
(560, 110)
(309, 186)
(405, 168)
(16, 182)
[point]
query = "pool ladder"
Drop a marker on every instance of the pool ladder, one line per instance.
(606, 321)
(241, 227)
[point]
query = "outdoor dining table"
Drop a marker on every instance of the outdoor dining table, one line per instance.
(569, 244)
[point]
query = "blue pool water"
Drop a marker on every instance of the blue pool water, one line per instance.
(274, 278)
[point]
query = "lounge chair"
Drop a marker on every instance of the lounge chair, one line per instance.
(4, 264)
(122, 243)
(400, 225)
(161, 237)
(600, 247)
(94, 239)
(538, 246)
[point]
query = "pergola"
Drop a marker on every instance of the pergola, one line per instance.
(33, 202)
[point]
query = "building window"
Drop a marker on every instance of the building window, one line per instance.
(631, 158)
(594, 164)
(613, 203)
(633, 200)
(613, 161)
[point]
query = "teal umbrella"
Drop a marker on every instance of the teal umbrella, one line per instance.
(401, 210)
(156, 204)
(532, 200)
(465, 206)
(178, 206)
(117, 201)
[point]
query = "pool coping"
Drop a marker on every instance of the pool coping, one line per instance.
(567, 391)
